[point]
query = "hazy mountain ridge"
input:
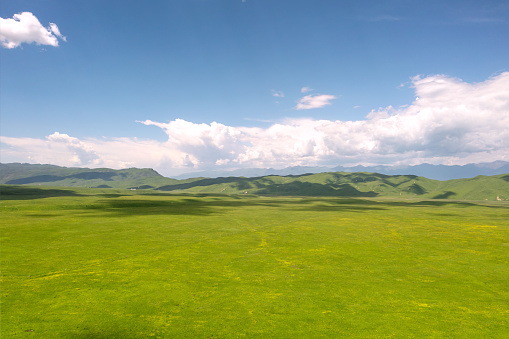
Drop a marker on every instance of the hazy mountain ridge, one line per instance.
(351, 184)
(436, 172)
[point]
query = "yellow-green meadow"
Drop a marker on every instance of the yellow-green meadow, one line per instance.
(111, 263)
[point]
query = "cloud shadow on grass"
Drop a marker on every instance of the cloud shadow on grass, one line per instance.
(8, 192)
(203, 204)
(439, 203)
(207, 205)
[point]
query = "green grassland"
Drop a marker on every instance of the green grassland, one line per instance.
(112, 263)
(333, 184)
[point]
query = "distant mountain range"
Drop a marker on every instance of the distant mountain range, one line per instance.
(436, 172)
(341, 184)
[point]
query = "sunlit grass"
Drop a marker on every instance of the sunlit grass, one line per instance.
(112, 263)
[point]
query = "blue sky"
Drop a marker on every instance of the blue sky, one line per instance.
(201, 84)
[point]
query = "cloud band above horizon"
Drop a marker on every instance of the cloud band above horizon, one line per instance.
(450, 122)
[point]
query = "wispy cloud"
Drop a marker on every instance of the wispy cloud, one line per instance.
(305, 89)
(26, 28)
(314, 101)
(54, 28)
(452, 122)
(278, 94)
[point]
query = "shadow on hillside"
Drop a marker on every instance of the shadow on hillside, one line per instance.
(29, 193)
(263, 186)
(444, 195)
(417, 189)
(201, 182)
(197, 195)
(107, 176)
(298, 188)
(359, 177)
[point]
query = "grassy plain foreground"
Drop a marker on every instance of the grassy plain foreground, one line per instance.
(92, 263)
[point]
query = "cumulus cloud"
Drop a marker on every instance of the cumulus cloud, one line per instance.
(82, 153)
(56, 148)
(26, 28)
(64, 150)
(452, 122)
(314, 101)
(198, 144)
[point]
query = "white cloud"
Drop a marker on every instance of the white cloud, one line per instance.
(82, 153)
(278, 94)
(314, 101)
(105, 152)
(453, 122)
(57, 148)
(200, 144)
(305, 89)
(26, 28)
(56, 31)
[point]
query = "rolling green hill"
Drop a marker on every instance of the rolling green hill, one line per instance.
(353, 185)
(50, 175)
(359, 184)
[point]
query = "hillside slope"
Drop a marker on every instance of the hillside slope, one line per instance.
(50, 175)
(357, 184)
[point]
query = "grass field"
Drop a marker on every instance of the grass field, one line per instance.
(92, 263)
